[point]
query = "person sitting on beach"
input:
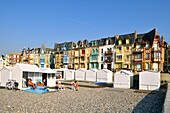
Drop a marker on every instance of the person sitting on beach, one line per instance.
(40, 84)
(30, 83)
(75, 85)
(60, 86)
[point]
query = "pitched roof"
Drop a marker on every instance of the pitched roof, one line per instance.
(149, 36)
(47, 70)
(28, 67)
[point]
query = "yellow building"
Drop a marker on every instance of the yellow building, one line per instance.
(123, 51)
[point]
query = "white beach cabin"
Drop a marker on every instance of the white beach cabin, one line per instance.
(80, 74)
(21, 72)
(105, 75)
(149, 80)
(123, 79)
(5, 74)
(69, 74)
(49, 76)
(91, 75)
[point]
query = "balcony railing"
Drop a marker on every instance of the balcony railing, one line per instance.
(137, 60)
(156, 50)
(108, 52)
(136, 50)
(108, 60)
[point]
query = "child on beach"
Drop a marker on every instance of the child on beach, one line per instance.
(60, 86)
(75, 85)
(30, 83)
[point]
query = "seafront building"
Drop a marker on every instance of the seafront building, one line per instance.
(148, 52)
(14, 58)
(133, 51)
(167, 58)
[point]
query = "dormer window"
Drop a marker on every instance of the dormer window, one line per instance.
(147, 46)
(120, 42)
(127, 41)
(138, 46)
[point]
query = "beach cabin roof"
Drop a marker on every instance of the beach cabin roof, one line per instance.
(81, 69)
(124, 72)
(94, 70)
(106, 70)
(28, 68)
(47, 70)
(61, 69)
(8, 68)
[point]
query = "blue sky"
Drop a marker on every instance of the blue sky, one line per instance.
(29, 23)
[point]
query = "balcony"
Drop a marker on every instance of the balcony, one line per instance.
(119, 60)
(76, 61)
(137, 60)
(156, 59)
(135, 50)
(94, 54)
(108, 60)
(93, 60)
(82, 55)
(156, 50)
(76, 55)
(108, 53)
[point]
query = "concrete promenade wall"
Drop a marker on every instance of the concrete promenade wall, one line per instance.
(166, 106)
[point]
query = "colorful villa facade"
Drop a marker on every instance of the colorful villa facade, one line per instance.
(133, 51)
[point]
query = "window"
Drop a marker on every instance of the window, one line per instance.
(101, 58)
(120, 42)
(127, 57)
(96, 51)
(127, 41)
(138, 46)
(138, 56)
(147, 66)
(120, 49)
(155, 46)
(92, 65)
(83, 52)
(147, 46)
(157, 55)
(14, 56)
(101, 50)
(82, 58)
(138, 67)
(127, 48)
(119, 57)
(147, 56)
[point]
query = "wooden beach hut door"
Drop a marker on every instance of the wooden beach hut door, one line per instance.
(44, 76)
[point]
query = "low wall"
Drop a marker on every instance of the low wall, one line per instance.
(165, 77)
(166, 106)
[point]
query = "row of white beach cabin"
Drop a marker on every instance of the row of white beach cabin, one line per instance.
(148, 80)
(21, 72)
(91, 75)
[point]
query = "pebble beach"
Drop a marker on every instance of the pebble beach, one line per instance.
(86, 100)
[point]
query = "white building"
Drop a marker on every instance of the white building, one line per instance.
(106, 55)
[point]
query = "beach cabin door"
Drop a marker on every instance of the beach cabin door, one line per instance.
(44, 77)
